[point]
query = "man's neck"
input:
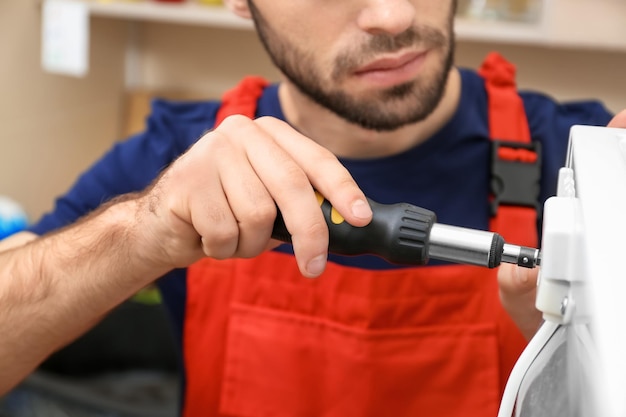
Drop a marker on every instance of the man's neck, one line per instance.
(350, 141)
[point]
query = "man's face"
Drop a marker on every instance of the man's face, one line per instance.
(379, 74)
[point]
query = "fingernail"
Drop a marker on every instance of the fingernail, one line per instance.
(316, 265)
(361, 209)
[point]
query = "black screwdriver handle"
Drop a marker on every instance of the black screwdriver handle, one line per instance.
(398, 233)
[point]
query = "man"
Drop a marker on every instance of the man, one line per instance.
(370, 97)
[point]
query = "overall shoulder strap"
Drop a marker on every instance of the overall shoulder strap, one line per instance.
(242, 99)
(515, 167)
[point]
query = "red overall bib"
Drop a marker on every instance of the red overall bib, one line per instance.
(260, 340)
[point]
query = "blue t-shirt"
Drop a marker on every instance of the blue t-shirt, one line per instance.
(448, 173)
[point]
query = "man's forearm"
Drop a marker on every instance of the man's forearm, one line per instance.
(56, 287)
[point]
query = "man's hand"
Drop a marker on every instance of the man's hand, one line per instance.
(219, 199)
(518, 285)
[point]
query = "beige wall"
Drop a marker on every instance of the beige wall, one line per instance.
(200, 58)
(52, 127)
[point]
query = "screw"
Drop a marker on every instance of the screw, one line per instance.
(564, 304)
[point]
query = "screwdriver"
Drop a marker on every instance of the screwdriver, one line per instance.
(406, 234)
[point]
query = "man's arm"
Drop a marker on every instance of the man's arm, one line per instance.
(55, 288)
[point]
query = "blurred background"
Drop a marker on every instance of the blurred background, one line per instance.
(53, 126)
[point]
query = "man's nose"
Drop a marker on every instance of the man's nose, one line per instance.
(386, 16)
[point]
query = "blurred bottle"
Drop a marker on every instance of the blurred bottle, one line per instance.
(528, 11)
(12, 217)
(211, 2)
(481, 9)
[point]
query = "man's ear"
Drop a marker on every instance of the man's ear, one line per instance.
(239, 7)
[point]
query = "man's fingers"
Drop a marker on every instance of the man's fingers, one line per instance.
(252, 205)
(291, 179)
(324, 172)
(517, 293)
(619, 120)
(516, 280)
(288, 185)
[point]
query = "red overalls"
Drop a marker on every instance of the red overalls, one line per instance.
(260, 340)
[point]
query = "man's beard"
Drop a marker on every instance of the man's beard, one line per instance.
(392, 108)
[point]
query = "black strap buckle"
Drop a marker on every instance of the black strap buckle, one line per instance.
(515, 174)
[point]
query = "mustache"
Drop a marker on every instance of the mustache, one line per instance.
(384, 43)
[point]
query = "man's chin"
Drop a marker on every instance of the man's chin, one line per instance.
(375, 121)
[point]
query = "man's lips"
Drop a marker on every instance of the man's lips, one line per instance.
(392, 70)
(389, 64)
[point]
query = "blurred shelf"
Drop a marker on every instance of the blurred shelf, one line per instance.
(500, 32)
(191, 13)
(564, 32)
(187, 13)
